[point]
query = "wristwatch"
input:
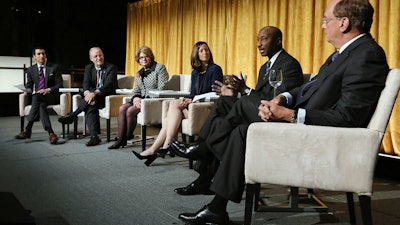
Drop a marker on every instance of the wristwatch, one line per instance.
(294, 117)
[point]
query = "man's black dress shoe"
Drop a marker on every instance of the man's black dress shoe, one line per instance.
(67, 119)
(205, 216)
(189, 151)
(194, 189)
(94, 140)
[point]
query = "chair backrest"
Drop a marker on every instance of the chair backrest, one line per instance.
(125, 81)
(386, 101)
(66, 80)
(179, 82)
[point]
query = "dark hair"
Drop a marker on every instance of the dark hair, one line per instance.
(194, 58)
(37, 47)
(359, 12)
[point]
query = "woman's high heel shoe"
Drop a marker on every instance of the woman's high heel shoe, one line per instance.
(149, 158)
(163, 151)
(119, 143)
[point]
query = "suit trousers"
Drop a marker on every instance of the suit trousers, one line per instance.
(228, 143)
(92, 117)
(39, 109)
(208, 164)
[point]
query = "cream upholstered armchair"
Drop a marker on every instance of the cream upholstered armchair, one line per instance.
(197, 115)
(61, 109)
(112, 104)
(150, 114)
(152, 108)
(319, 157)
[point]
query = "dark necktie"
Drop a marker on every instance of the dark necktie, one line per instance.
(99, 81)
(304, 88)
(266, 75)
(334, 56)
(41, 78)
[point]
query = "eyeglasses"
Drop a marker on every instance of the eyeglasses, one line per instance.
(326, 20)
(144, 57)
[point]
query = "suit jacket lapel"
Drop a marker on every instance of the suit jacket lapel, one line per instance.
(277, 65)
(329, 68)
(47, 74)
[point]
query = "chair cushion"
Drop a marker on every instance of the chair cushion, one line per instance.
(321, 157)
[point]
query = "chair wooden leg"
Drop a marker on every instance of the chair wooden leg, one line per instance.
(22, 123)
(257, 189)
(294, 198)
(143, 132)
(190, 163)
(63, 130)
(76, 128)
(365, 205)
(248, 211)
(350, 207)
(108, 130)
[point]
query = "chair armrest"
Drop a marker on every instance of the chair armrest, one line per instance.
(298, 155)
(126, 99)
(165, 107)
(151, 110)
(76, 99)
(64, 107)
(23, 101)
(197, 115)
(112, 104)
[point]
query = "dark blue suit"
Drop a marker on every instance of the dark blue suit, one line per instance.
(201, 83)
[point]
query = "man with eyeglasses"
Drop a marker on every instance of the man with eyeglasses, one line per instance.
(344, 94)
(99, 81)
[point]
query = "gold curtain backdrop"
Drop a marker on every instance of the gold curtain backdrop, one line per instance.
(230, 27)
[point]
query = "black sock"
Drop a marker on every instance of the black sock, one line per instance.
(75, 113)
(29, 126)
(202, 182)
(218, 204)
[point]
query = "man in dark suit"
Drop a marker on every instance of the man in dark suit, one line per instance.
(43, 79)
(269, 45)
(344, 94)
(99, 81)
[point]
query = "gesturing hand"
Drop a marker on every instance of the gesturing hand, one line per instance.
(239, 83)
(222, 89)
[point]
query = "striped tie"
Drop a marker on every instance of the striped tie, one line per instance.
(41, 78)
(267, 70)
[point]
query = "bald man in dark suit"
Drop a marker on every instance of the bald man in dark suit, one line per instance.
(99, 81)
(344, 94)
(269, 45)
